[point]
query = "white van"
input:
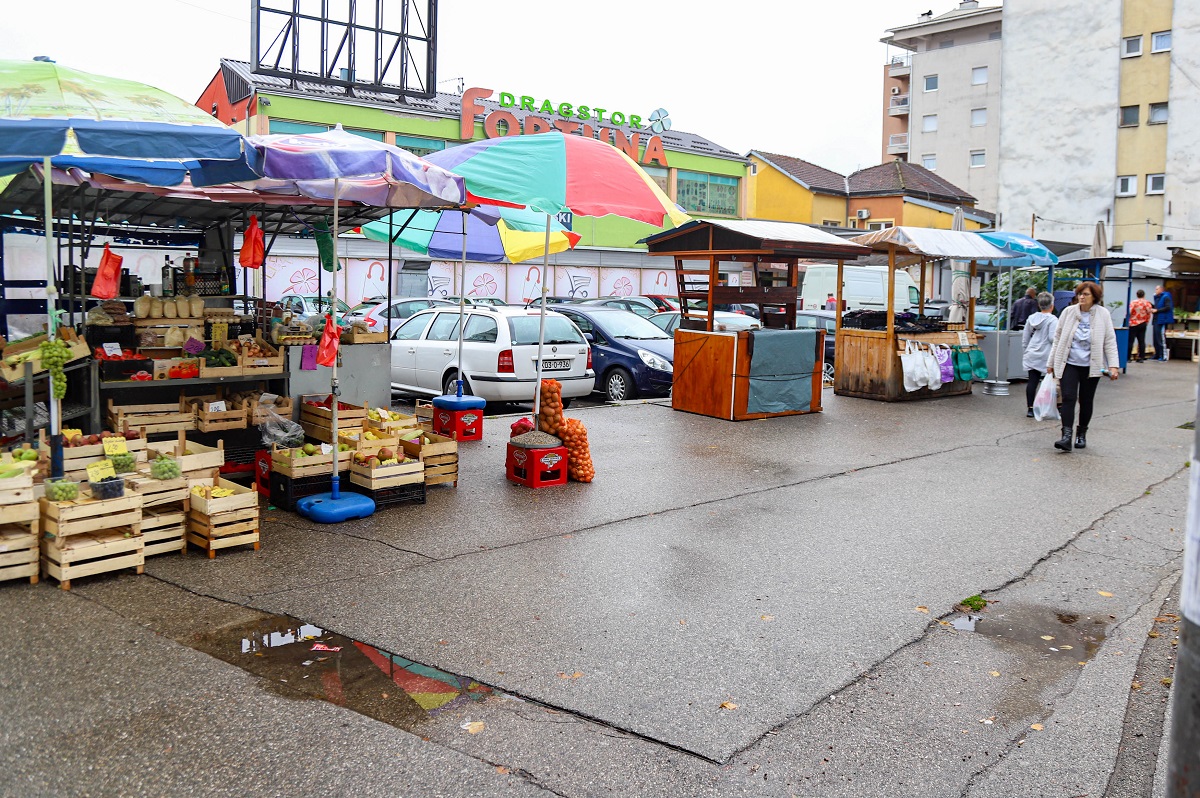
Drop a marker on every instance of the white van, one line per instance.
(863, 287)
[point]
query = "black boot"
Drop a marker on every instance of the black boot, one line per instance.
(1064, 443)
(1081, 438)
(1029, 413)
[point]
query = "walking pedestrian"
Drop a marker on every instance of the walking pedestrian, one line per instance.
(1164, 314)
(1036, 341)
(1085, 348)
(1024, 307)
(1140, 311)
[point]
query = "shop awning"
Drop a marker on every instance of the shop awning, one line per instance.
(746, 236)
(932, 244)
(1185, 261)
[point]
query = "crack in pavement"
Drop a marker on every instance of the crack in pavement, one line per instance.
(1049, 428)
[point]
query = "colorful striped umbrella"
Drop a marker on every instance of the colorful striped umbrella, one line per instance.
(439, 234)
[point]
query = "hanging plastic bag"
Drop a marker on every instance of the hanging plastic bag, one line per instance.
(912, 362)
(933, 372)
(979, 366)
(1045, 402)
(280, 430)
(251, 256)
(328, 348)
(941, 353)
(325, 244)
(107, 284)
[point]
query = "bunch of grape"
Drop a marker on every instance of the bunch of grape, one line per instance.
(55, 355)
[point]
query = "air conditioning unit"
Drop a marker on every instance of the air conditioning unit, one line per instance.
(863, 213)
(895, 89)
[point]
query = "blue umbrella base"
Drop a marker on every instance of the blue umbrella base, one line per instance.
(325, 509)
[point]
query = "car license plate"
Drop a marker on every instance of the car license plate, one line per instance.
(556, 365)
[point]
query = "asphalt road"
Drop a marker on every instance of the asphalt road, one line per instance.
(765, 608)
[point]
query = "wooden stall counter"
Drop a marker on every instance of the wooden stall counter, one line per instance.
(712, 374)
(868, 364)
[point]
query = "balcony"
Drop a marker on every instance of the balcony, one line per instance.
(900, 66)
(897, 144)
(898, 105)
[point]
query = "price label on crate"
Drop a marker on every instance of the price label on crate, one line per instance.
(326, 448)
(112, 349)
(216, 407)
(115, 445)
(246, 339)
(963, 340)
(220, 331)
(100, 470)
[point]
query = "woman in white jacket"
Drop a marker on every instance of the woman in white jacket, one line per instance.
(1085, 348)
(1036, 341)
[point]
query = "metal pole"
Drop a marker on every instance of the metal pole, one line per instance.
(335, 487)
(55, 407)
(1183, 759)
(387, 302)
(462, 303)
(537, 384)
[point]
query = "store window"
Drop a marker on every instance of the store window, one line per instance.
(931, 83)
(660, 176)
(373, 135)
(286, 126)
(1126, 185)
(419, 146)
(929, 123)
(1158, 114)
(878, 225)
(1129, 115)
(978, 117)
(1160, 42)
(978, 158)
(979, 76)
(701, 193)
(1131, 46)
(1156, 184)
(929, 161)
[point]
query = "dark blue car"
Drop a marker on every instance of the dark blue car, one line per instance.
(631, 356)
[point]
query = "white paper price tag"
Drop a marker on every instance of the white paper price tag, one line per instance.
(326, 448)
(112, 349)
(963, 340)
(246, 339)
(216, 407)
(267, 399)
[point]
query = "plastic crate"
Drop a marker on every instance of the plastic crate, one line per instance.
(286, 491)
(397, 495)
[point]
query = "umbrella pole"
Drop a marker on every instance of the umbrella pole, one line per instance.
(335, 485)
(537, 383)
(56, 458)
(462, 302)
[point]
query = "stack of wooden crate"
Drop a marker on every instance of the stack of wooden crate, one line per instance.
(165, 504)
(221, 522)
(317, 420)
(196, 460)
(19, 516)
(87, 536)
(439, 455)
(152, 418)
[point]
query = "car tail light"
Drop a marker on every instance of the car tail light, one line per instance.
(504, 362)
(589, 363)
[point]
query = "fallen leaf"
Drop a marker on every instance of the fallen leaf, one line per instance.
(1152, 634)
(923, 609)
(682, 622)
(1174, 642)
(474, 727)
(1169, 617)
(574, 675)
(1135, 686)
(995, 673)
(1037, 727)
(1081, 662)
(503, 771)
(385, 695)
(1047, 637)
(443, 642)
(1166, 682)
(1066, 648)
(767, 617)
(944, 623)
(728, 705)
(1105, 593)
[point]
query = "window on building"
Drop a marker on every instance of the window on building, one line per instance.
(978, 158)
(931, 83)
(929, 161)
(419, 146)
(1127, 185)
(1160, 42)
(1129, 115)
(978, 117)
(944, 43)
(1131, 46)
(994, 35)
(979, 76)
(1158, 114)
(830, 223)
(929, 123)
(660, 175)
(1156, 184)
(703, 193)
(878, 225)
(374, 135)
(289, 127)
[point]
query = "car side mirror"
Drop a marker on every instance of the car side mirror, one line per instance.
(591, 339)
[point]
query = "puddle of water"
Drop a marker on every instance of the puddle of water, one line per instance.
(965, 623)
(300, 660)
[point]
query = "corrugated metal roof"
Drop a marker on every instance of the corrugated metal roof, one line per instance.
(783, 232)
(932, 243)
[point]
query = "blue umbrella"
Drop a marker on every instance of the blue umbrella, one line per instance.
(1029, 251)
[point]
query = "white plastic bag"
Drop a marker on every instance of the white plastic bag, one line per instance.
(916, 372)
(1045, 402)
(933, 372)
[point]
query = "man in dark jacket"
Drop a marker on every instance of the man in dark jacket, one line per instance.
(1164, 314)
(1023, 308)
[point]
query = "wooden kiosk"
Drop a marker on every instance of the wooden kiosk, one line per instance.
(717, 373)
(868, 361)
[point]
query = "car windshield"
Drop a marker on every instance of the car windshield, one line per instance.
(662, 320)
(629, 325)
(559, 330)
(323, 305)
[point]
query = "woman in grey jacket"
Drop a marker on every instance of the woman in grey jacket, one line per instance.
(1085, 348)
(1036, 341)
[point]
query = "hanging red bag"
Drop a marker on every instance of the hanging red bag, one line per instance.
(251, 256)
(107, 284)
(328, 349)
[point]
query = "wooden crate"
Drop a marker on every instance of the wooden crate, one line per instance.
(242, 497)
(394, 424)
(440, 457)
(221, 371)
(202, 458)
(19, 549)
(387, 476)
(18, 489)
(156, 492)
(78, 347)
(356, 440)
(309, 466)
(93, 553)
(271, 364)
(217, 420)
(151, 418)
(360, 337)
(258, 413)
(223, 530)
(85, 514)
(355, 415)
(424, 411)
(164, 529)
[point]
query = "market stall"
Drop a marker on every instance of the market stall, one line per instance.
(870, 344)
(750, 374)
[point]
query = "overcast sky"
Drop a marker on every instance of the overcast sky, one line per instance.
(797, 77)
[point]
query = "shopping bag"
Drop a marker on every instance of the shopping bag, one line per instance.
(328, 348)
(325, 245)
(107, 284)
(251, 256)
(945, 362)
(1045, 403)
(933, 372)
(912, 363)
(979, 367)
(962, 364)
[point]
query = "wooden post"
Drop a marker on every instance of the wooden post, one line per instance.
(837, 322)
(713, 276)
(890, 341)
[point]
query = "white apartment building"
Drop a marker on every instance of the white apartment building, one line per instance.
(942, 97)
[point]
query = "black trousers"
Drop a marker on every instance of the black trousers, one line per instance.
(1076, 384)
(1035, 379)
(1138, 333)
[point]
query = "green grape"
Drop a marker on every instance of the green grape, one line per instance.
(54, 355)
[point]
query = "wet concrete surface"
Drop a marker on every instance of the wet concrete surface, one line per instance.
(770, 566)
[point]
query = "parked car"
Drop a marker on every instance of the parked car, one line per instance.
(550, 300)
(822, 320)
(399, 309)
(499, 354)
(359, 311)
(631, 357)
(634, 304)
(862, 287)
(479, 300)
(669, 322)
(312, 309)
(663, 302)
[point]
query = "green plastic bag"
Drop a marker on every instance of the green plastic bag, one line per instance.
(962, 364)
(326, 252)
(979, 365)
